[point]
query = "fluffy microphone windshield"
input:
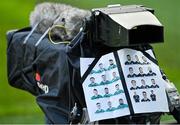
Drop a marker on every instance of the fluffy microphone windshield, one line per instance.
(67, 20)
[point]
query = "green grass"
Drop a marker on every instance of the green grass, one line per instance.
(17, 106)
(21, 119)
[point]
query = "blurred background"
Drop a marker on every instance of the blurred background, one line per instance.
(17, 106)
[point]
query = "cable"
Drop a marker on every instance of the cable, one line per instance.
(49, 34)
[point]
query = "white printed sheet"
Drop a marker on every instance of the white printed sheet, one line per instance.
(144, 82)
(104, 92)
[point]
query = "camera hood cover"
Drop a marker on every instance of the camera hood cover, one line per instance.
(127, 26)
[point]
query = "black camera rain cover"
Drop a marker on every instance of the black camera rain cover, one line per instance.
(47, 64)
(51, 72)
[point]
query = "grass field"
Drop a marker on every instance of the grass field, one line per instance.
(17, 106)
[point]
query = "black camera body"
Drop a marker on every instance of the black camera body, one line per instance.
(121, 26)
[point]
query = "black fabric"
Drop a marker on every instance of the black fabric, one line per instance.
(51, 62)
(176, 114)
(59, 68)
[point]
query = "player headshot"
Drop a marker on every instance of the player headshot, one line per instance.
(106, 91)
(145, 60)
(96, 95)
(134, 86)
(121, 104)
(131, 73)
(154, 85)
(101, 68)
(153, 96)
(129, 61)
(115, 77)
(141, 72)
(145, 99)
(104, 80)
(99, 109)
(111, 65)
(144, 86)
(110, 108)
(137, 60)
(150, 72)
(92, 82)
(136, 97)
(118, 90)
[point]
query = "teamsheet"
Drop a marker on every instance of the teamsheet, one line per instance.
(122, 83)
